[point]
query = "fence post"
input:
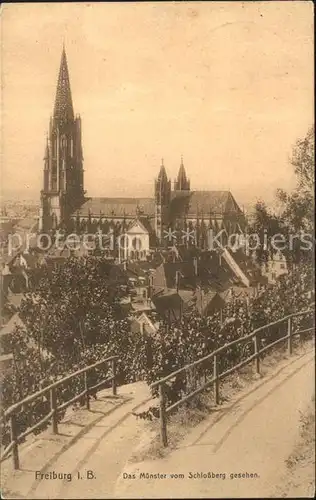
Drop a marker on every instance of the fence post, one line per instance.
(53, 409)
(289, 336)
(257, 353)
(86, 388)
(15, 450)
(114, 377)
(163, 419)
(216, 381)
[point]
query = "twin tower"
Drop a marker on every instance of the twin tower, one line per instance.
(163, 196)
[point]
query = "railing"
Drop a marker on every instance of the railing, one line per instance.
(11, 412)
(256, 337)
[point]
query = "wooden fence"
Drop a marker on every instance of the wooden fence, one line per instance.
(11, 413)
(256, 336)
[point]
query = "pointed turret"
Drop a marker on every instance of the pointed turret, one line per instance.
(162, 185)
(162, 200)
(162, 176)
(46, 156)
(63, 109)
(182, 183)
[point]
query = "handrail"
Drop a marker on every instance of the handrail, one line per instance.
(255, 335)
(10, 413)
(226, 346)
(46, 389)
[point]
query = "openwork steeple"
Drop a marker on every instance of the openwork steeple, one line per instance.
(63, 109)
(63, 190)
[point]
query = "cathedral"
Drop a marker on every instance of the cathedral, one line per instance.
(173, 212)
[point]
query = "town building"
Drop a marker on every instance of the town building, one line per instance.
(274, 267)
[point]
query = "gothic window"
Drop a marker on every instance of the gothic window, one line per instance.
(105, 226)
(71, 225)
(123, 241)
(83, 225)
(136, 243)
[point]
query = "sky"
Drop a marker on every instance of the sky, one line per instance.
(228, 85)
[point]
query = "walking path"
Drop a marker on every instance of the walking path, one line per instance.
(97, 441)
(253, 435)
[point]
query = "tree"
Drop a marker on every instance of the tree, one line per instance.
(303, 161)
(85, 338)
(76, 307)
(298, 206)
(265, 226)
(296, 219)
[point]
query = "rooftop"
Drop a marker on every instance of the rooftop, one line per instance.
(117, 207)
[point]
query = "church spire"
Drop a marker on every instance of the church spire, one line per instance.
(63, 190)
(63, 109)
(182, 183)
(162, 201)
(162, 176)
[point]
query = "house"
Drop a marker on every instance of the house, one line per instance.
(6, 277)
(15, 300)
(19, 237)
(7, 330)
(207, 270)
(171, 304)
(139, 279)
(275, 267)
(208, 302)
(6, 362)
(175, 275)
(14, 277)
(209, 278)
(144, 324)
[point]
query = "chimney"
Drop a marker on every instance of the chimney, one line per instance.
(141, 327)
(146, 295)
(195, 263)
(177, 280)
(150, 287)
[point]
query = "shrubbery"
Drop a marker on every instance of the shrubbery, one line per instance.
(73, 319)
(194, 337)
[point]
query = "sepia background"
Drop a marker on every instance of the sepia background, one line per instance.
(182, 289)
(227, 85)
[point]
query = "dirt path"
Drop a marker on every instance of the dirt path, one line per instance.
(100, 446)
(255, 437)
